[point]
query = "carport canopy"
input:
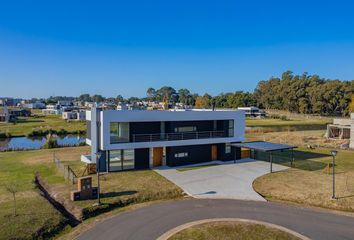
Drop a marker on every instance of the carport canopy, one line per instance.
(264, 146)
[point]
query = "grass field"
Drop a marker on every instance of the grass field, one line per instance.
(26, 125)
(310, 182)
(35, 214)
(232, 231)
(269, 122)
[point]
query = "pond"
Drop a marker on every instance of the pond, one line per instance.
(27, 143)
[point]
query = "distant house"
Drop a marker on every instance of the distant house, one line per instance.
(6, 101)
(6, 116)
(64, 103)
(33, 105)
(74, 115)
(52, 109)
(59, 108)
(20, 112)
(252, 111)
(342, 128)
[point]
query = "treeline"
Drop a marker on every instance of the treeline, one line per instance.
(308, 94)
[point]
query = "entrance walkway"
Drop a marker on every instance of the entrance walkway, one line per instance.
(226, 180)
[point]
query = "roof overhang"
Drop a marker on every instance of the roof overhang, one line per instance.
(264, 146)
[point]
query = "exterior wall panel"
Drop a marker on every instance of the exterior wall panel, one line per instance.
(142, 158)
(196, 154)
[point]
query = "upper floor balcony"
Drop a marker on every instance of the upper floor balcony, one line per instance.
(177, 136)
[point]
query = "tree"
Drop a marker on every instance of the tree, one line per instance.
(151, 94)
(84, 97)
(119, 99)
(351, 106)
(305, 94)
(12, 188)
(167, 92)
(204, 101)
(184, 96)
(97, 98)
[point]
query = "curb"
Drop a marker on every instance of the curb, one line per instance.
(177, 229)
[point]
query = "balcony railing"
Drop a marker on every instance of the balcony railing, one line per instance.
(177, 136)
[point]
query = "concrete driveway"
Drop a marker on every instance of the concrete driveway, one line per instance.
(226, 180)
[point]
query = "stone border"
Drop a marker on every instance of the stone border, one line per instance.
(175, 230)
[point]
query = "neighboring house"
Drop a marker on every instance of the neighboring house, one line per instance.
(20, 112)
(252, 111)
(59, 108)
(145, 139)
(54, 109)
(74, 115)
(342, 128)
(6, 116)
(8, 101)
(64, 103)
(34, 105)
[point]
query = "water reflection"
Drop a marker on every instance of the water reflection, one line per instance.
(22, 143)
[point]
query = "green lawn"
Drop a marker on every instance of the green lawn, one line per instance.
(232, 231)
(269, 122)
(35, 214)
(309, 182)
(26, 125)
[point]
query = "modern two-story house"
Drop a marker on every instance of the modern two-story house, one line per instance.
(128, 139)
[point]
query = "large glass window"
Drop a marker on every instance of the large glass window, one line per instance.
(185, 129)
(121, 160)
(115, 160)
(231, 128)
(227, 148)
(119, 132)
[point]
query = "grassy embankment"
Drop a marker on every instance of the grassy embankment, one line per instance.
(232, 230)
(39, 122)
(310, 182)
(35, 214)
(298, 121)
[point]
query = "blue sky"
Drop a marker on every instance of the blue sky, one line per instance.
(124, 47)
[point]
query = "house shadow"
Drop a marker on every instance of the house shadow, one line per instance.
(29, 121)
(298, 154)
(308, 161)
(117, 194)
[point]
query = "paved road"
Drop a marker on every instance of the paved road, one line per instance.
(228, 180)
(152, 221)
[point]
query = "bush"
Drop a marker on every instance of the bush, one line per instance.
(5, 135)
(284, 118)
(51, 143)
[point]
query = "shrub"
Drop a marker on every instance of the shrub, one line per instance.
(5, 135)
(51, 143)
(284, 118)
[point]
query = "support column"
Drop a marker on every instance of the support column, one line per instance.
(271, 162)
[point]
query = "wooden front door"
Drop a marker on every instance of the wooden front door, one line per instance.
(157, 154)
(214, 152)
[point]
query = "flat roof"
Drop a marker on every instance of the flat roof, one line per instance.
(263, 146)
